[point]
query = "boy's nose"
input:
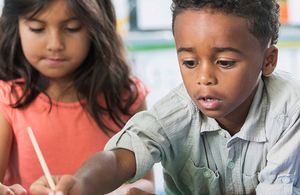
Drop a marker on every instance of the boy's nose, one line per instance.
(55, 42)
(206, 75)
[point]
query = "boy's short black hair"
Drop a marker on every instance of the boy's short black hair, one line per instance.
(262, 15)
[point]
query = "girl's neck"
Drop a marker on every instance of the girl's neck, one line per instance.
(62, 92)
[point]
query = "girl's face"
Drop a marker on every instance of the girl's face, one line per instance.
(220, 62)
(54, 41)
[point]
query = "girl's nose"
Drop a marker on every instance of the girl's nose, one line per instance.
(55, 42)
(206, 74)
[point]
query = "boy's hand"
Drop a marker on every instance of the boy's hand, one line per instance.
(137, 191)
(65, 184)
(15, 189)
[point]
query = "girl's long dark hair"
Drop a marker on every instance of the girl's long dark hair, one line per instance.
(105, 69)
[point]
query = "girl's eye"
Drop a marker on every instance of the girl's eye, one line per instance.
(73, 29)
(226, 63)
(190, 64)
(36, 30)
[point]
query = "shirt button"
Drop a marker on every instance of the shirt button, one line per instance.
(221, 133)
(231, 165)
(207, 174)
(285, 180)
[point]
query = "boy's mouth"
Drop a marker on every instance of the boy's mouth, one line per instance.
(209, 102)
(208, 99)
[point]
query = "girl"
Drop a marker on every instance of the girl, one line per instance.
(63, 73)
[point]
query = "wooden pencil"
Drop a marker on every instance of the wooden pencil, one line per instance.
(41, 159)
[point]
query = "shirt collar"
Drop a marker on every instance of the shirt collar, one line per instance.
(254, 126)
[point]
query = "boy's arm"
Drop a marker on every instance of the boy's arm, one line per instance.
(100, 174)
(281, 174)
(106, 171)
(146, 183)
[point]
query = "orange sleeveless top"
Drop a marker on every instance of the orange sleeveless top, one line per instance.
(67, 135)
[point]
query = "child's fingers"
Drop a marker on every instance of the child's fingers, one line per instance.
(18, 189)
(68, 184)
(15, 189)
(4, 190)
(12, 190)
(41, 186)
(137, 191)
(65, 184)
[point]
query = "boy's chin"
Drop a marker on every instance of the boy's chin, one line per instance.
(215, 114)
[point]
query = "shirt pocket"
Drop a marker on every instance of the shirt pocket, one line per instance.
(250, 183)
(200, 180)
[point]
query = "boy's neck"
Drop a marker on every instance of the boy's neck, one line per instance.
(232, 128)
(234, 122)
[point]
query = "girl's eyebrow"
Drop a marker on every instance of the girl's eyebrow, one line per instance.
(41, 21)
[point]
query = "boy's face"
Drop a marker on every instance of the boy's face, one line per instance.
(220, 63)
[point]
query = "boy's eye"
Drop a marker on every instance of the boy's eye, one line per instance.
(36, 30)
(190, 64)
(226, 63)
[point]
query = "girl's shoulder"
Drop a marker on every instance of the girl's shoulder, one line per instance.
(137, 89)
(143, 90)
(6, 95)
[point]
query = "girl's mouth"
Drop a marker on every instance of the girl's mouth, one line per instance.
(52, 61)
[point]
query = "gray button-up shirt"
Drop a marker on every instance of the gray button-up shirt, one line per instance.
(199, 157)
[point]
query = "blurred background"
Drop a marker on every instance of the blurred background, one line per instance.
(145, 26)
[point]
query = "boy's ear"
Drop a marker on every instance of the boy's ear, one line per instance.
(270, 60)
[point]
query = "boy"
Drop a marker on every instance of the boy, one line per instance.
(232, 128)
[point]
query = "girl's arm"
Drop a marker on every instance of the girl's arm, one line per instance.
(6, 136)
